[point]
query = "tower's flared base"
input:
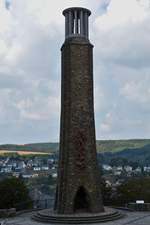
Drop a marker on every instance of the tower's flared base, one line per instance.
(49, 216)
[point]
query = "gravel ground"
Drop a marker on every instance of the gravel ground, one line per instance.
(131, 218)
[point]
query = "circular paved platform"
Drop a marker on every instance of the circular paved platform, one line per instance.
(131, 218)
(48, 216)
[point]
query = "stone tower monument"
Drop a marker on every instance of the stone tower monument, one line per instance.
(78, 188)
(78, 195)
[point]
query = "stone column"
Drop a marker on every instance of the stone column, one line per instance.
(81, 24)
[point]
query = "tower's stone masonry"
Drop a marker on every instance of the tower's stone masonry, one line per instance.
(78, 188)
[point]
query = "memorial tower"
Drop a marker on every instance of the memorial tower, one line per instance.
(78, 186)
(78, 197)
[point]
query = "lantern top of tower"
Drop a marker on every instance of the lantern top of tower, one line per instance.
(76, 22)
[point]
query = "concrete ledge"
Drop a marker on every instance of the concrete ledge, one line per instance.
(139, 207)
(7, 212)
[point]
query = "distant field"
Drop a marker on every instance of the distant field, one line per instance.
(102, 146)
(2, 152)
(120, 145)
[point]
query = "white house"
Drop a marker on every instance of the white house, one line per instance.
(45, 168)
(138, 170)
(147, 169)
(107, 167)
(37, 168)
(128, 169)
(54, 175)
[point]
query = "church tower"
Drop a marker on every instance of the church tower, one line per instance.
(78, 186)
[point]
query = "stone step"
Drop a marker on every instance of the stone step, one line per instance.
(79, 217)
(77, 220)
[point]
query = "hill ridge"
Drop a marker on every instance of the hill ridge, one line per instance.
(102, 146)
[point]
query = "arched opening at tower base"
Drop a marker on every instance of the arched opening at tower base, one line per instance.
(82, 201)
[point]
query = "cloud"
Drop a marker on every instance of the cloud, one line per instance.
(32, 32)
(137, 91)
(119, 13)
(122, 33)
(31, 35)
(122, 68)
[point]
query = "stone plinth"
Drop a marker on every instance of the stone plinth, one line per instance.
(48, 216)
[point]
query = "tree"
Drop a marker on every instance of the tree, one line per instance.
(118, 161)
(14, 194)
(134, 164)
(135, 189)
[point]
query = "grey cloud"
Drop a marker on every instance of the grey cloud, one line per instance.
(30, 87)
(126, 45)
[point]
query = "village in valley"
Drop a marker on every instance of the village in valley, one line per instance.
(39, 172)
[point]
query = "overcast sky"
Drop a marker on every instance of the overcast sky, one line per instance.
(31, 34)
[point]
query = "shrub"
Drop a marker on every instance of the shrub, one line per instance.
(14, 194)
